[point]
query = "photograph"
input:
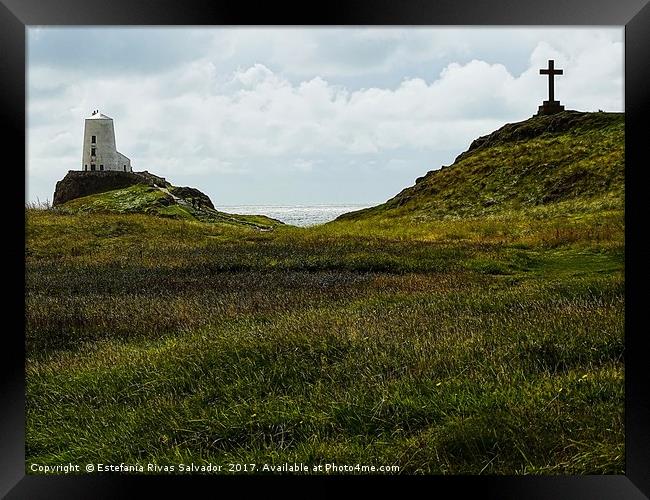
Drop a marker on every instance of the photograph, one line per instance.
(325, 250)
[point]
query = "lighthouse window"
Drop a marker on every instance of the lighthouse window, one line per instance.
(125, 168)
(92, 151)
(92, 167)
(101, 167)
(93, 139)
(85, 167)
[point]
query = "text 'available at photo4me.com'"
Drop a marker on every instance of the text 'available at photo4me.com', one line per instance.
(212, 468)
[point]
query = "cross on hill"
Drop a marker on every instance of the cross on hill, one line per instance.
(551, 106)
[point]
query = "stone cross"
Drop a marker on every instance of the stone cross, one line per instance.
(551, 72)
(551, 106)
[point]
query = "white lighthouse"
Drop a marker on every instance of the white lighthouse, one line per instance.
(99, 152)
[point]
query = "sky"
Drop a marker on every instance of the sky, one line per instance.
(287, 116)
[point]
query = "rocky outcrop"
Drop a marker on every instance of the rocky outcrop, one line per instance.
(193, 196)
(78, 183)
(154, 180)
(144, 193)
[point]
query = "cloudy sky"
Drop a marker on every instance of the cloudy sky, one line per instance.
(299, 115)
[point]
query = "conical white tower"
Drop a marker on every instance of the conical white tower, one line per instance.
(99, 152)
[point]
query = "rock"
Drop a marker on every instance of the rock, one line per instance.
(193, 196)
(78, 183)
(146, 193)
(154, 179)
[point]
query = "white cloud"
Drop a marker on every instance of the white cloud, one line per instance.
(198, 118)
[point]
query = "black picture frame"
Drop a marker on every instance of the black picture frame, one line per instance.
(16, 15)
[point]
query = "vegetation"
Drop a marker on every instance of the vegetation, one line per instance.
(141, 198)
(489, 342)
(546, 159)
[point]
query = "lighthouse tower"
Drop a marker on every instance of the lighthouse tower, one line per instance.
(99, 152)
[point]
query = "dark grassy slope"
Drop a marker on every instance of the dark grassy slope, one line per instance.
(543, 160)
(488, 343)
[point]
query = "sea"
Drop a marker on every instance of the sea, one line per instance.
(296, 215)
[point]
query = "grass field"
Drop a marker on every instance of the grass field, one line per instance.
(489, 344)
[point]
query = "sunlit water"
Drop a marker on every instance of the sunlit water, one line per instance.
(296, 215)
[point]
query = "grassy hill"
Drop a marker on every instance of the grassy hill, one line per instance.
(145, 193)
(567, 157)
(439, 335)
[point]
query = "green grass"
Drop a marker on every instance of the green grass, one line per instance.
(471, 325)
(488, 345)
(132, 199)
